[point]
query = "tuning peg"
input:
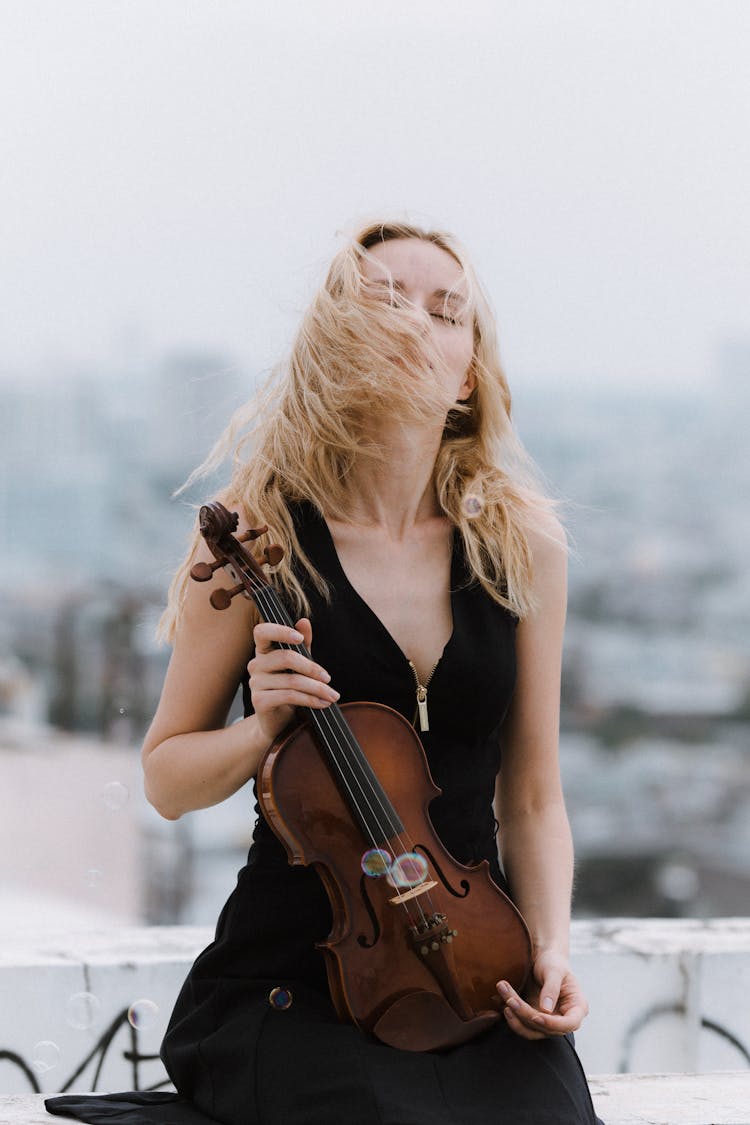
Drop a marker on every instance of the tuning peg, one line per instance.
(273, 554)
(202, 571)
(220, 599)
(253, 533)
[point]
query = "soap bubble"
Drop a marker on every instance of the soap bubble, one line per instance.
(677, 881)
(115, 795)
(45, 1056)
(280, 998)
(472, 505)
(376, 862)
(408, 870)
(142, 1014)
(82, 1011)
(92, 877)
(122, 711)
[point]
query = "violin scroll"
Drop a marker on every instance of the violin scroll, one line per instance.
(217, 526)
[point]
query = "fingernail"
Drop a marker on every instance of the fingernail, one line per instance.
(297, 637)
(326, 677)
(333, 694)
(503, 988)
(548, 1003)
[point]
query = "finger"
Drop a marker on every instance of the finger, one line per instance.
(305, 628)
(549, 992)
(289, 681)
(287, 660)
(559, 1024)
(289, 698)
(570, 999)
(519, 1027)
(266, 634)
(517, 1011)
(532, 1019)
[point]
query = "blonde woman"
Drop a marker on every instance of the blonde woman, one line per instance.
(421, 565)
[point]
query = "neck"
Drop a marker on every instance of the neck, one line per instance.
(397, 492)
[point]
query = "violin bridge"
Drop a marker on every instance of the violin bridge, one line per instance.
(413, 892)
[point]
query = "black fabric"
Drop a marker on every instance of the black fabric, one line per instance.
(145, 1108)
(235, 1059)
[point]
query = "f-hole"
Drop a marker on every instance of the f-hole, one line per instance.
(464, 884)
(376, 931)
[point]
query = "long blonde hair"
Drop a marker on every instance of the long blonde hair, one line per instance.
(301, 436)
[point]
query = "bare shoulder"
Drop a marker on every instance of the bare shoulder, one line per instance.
(546, 532)
(548, 543)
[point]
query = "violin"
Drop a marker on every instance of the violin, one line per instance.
(418, 940)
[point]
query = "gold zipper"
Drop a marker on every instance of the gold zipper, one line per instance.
(424, 719)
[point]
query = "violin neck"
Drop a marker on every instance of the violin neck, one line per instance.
(366, 799)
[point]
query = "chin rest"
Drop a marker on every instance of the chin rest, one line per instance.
(424, 1021)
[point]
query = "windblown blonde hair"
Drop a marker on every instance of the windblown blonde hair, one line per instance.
(357, 356)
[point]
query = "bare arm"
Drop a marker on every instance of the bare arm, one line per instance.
(535, 839)
(190, 759)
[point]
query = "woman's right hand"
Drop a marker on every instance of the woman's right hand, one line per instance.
(282, 679)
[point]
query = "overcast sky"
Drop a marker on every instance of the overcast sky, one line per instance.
(174, 172)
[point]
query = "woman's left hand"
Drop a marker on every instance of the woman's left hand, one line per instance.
(553, 1005)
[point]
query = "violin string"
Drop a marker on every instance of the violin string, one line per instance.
(266, 596)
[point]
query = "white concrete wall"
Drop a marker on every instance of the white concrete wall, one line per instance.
(665, 996)
(70, 829)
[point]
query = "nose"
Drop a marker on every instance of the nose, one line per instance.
(420, 318)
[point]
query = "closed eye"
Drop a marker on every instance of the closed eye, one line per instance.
(444, 317)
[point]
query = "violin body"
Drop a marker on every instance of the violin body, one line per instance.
(378, 972)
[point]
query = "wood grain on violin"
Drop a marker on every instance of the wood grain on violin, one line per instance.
(419, 940)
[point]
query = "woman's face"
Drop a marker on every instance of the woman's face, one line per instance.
(432, 281)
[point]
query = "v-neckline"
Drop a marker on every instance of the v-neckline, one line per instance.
(373, 615)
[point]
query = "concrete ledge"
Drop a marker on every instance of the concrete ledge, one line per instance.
(722, 1098)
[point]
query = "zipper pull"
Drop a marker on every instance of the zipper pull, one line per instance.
(424, 719)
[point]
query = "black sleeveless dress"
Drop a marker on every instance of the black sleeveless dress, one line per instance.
(234, 1057)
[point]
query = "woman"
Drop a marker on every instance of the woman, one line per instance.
(423, 567)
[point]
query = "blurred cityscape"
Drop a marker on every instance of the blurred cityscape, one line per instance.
(656, 694)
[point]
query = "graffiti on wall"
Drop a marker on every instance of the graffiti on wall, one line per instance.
(654, 1014)
(87, 1073)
